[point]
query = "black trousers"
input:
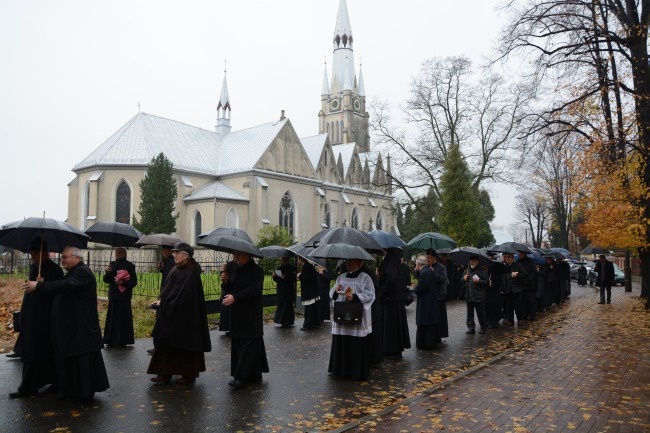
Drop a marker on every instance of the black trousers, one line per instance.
(479, 307)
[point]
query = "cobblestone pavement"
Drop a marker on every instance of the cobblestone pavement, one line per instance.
(591, 373)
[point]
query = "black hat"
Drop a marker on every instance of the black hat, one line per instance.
(36, 245)
(474, 257)
(183, 246)
(166, 247)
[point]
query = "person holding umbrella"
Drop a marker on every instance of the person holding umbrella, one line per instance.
(285, 279)
(393, 277)
(476, 280)
(309, 296)
(181, 334)
(243, 284)
(76, 334)
(35, 324)
(121, 279)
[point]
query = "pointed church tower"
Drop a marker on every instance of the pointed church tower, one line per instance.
(343, 113)
(223, 110)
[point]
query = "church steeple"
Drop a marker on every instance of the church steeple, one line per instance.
(223, 110)
(343, 114)
(343, 61)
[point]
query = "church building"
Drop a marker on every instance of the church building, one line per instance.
(251, 177)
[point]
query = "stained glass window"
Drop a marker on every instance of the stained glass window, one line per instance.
(287, 212)
(123, 203)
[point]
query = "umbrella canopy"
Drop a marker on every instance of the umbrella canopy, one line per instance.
(301, 250)
(387, 239)
(592, 249)
(340, 251)
(432, 240)
(346, 235)
(57, 234)
(113, 233)
(229, 244)
(564, 251)
(159, 239)
(461, 256)
(227, 231)
(275, 252)
(511, 247)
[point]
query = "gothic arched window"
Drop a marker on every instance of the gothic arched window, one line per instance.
(354, 223)
(197, 225)
(123, 203)
(232, 220)
(327, 217)
(287, 212)
(341, 132)
(85, 205)
(379, 223)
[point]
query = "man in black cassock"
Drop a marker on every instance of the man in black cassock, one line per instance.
(285, 279)
(76, 334)
(244, 283)
(181, 334)
(118, 331)
(36, 343)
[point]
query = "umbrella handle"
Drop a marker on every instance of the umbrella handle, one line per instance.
(40, 259)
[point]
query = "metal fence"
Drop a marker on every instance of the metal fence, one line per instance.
(16, 265)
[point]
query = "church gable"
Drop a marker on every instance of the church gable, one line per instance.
(286, 155)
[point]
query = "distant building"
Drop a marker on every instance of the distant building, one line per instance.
(251, 177)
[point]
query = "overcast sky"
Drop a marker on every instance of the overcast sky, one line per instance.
(73, 72)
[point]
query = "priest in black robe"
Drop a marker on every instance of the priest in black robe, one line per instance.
(35, 324)
(121, 279)
(393, 278)
(181, 334)
(76, 333)
(285, 279)
(243, 284)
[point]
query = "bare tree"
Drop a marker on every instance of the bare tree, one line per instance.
(532, 207)
(595, 54)
(448, 105)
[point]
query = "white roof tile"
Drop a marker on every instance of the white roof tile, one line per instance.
(346, 151)
(241, 150)
(216, 189)
(314, 147)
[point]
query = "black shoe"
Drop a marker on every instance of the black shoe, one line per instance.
(20, 394)
(601, 302)
(236, 384)
(609, 301)
(150, 351)
(13, 355)
(471, 331)
(481, 331)
(306, 328)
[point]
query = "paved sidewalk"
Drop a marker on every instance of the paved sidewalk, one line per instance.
(589, 374)
(582, 367)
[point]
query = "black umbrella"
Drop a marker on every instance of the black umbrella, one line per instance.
(592, 249)
(301, 250)
(158, 239)
(511, 247)
(113, 233)
(275, 252)
(461, 256)
(229, 244)
(346, 235)
(387, 239)
(227, 231)
(340, 251)
(57, 234)
(432, 240)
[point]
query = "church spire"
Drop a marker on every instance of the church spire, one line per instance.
(343, 59)
(326, 88)
(223, 109)
(361, 89)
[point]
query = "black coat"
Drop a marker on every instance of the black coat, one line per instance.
(182, 320)
(75, 321)
(526, 275)
(606, 274)
(427, 311)
(114, 293)
(245, 283)
(35, 316)
(475, 292)
(308, 282)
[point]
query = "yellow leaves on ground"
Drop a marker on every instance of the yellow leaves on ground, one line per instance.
(61, 430)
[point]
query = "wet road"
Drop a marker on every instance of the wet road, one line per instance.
(297, 395)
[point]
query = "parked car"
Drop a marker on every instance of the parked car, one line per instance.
(573, 271)
(619, 276)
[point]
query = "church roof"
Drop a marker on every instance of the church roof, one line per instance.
(242, 149)
(372, 158)
(314, 147)
(217, 190)
(144, 136)
(189, 148)
(347, 152)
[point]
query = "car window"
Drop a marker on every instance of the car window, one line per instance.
(616, 268)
